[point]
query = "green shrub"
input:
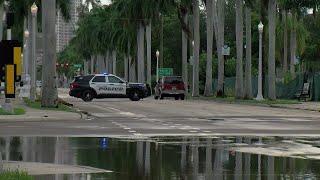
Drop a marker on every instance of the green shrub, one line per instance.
(15, 176)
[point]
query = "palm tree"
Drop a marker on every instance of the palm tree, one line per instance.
(148, 37)
(271, 61)
(49, 87)
(218, 21)
(208, 86)
(285, 42)
(248, 76)
(196, 17)
(183, 13)
(239, 42)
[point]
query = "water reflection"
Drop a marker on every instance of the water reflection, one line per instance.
(159, 159)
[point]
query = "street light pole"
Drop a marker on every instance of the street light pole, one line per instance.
(157, 54)
(260, 96)
(25, 52)
(34, 10)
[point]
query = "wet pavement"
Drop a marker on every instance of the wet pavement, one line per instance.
(166, 158)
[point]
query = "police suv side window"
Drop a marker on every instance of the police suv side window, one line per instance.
(101, 79)
(113, 79)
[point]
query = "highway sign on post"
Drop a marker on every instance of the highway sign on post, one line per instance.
(77, 65)
(165, 72)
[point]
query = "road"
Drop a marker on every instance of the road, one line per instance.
(149, 117)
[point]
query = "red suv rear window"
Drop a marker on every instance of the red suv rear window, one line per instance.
(173, 80)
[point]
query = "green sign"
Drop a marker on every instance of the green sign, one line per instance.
(165, 72)
(77, 65)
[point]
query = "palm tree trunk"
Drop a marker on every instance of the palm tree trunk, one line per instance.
(248, 83)
(92, 65)
(148, 37)
(140, 43)
(208, 86)
(185, 54)
(106, 62)
(285, 42)
(272, 47)
(114, 62)
(239, 39)
(1, 21)
(219, 31)
(85, 67)
(126, 67)
(49, 86)
(196, 11)
(132, 70)
(293, 49)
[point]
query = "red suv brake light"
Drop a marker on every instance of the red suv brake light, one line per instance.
(74, 85)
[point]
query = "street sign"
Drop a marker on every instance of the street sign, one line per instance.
(77, 65)
(226, 50)
(165, 72)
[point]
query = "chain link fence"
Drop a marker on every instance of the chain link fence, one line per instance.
(284, 90)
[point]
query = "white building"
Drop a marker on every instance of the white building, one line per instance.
(66, 30)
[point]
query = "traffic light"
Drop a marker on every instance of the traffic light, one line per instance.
(10, 65)
(10, 53)
(10, 88)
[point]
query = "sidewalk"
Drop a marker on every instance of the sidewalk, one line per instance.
(309, 106)
(37, 114)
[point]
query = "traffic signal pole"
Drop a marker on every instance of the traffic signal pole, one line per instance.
(8, 107)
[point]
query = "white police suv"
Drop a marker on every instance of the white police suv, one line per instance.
(107, 86)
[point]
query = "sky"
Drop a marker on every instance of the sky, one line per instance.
(105, 1)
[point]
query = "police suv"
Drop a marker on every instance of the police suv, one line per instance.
(107, 86)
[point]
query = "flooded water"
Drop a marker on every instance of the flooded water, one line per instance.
(218, 158)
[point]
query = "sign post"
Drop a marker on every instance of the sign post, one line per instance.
(225, 53)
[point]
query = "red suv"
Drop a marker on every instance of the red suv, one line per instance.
(170, 86)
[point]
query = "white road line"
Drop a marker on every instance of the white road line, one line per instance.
(132, 131)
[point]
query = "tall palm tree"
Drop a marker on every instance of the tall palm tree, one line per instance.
(196, 17)
(272, 48)
(148, 37)
(248, 75)
(49, 87)
(218, 21)
(285, 42)
(239, 42)
(208, 85)
(184, 9)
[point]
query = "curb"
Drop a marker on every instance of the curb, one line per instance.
(262, 105)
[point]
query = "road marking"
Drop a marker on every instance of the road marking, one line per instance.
(172, 126)
(137, 134)
(207, 131)
(132, 131)
(177, 124)
(127, 128)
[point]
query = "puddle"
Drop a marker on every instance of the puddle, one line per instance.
(220, 158)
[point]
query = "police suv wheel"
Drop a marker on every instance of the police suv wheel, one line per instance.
(156, 97)
(87, 96)
(134, 96)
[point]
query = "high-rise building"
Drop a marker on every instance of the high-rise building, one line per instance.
(66, 30)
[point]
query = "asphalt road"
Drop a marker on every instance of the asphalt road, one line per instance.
(149, 117)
